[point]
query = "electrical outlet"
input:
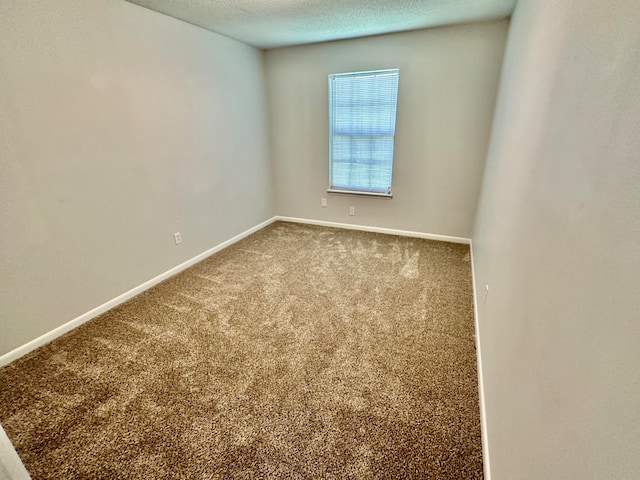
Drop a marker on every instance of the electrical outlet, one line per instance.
(178, 238)
(323, 202)
(352, 211)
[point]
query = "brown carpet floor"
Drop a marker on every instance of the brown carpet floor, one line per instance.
(299, 352)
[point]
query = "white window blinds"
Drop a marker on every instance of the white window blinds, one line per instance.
(362, 127)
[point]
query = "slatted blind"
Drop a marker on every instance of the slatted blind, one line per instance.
(362, 127)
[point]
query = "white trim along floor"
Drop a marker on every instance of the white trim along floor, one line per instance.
(12, 468)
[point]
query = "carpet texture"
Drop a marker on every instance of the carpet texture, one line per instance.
(299, 352)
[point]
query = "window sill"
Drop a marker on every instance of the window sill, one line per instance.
(359, 193)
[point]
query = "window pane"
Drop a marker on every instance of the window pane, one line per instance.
(362, 162)
(362, 121)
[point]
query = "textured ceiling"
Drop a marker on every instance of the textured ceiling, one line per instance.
(276, 23)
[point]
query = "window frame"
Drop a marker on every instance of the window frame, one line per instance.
(354, 191)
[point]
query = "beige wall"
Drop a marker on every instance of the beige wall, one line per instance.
(448, 82)
(119, 127)
(557, 240)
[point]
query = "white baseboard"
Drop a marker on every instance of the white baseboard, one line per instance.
(366, 228)
(9, 459)
(76, 322)
(483, 411)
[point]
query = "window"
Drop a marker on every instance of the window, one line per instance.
(362, 127)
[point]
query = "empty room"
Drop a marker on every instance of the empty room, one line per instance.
(303, 239)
